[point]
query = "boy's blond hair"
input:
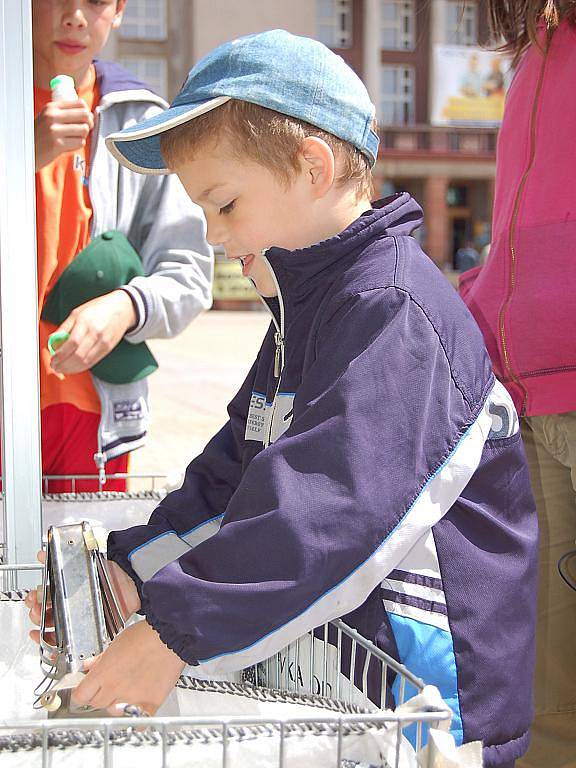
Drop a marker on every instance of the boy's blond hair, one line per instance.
(267, 137)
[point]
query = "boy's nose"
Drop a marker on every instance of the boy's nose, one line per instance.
(215, 234)
(73, 15)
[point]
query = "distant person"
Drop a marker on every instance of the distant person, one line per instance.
(493, 84)
(371, 465)
(90, 421)
(466, 257)
(524, 299)
(471, 83)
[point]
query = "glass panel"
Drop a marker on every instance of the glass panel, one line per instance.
(397, 24)
(152, 71)
(461, 22)
(396, 95)
(144, 19)
(334, 23)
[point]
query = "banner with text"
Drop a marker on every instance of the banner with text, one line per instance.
(469, 86)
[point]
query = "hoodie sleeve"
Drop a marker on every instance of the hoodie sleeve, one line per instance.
(169, 233)
(381, 444)
(191, 514)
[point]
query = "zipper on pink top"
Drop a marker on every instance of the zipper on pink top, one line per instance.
(512, 232)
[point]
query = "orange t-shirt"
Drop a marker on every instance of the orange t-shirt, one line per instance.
(63, 213)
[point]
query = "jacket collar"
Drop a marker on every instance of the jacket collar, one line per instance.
(298, 272)
(115, 84)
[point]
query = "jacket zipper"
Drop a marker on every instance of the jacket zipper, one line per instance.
(99, 457)
(278, 341)
(512, 232)
(93, 149)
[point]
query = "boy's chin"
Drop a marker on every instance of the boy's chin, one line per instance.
(265, 291)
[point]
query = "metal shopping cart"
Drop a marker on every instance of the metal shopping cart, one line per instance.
(324, 700)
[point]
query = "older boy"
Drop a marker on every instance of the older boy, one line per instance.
(89, 423)
(371, 463)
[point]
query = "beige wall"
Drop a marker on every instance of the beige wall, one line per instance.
(195, 27)
(217, 21)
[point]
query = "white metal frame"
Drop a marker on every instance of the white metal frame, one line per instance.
(18, 288)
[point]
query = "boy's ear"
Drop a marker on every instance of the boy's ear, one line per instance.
(120, 5)
(319, 165)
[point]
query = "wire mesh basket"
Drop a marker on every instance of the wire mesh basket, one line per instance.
(324, 700)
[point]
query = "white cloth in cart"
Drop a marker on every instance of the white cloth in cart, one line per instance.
(20, 673)
(373, 746)
(445, 753)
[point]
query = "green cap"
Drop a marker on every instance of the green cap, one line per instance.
(107, 263)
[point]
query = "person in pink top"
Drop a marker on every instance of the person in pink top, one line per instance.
(524, 300)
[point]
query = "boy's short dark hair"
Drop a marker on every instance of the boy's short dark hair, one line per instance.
(267, 137)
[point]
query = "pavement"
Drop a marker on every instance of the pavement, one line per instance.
(199, 372)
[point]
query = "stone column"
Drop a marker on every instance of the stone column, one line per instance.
(436, 243)
(372, 49)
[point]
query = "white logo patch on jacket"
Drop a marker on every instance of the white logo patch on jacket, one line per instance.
(267, 421)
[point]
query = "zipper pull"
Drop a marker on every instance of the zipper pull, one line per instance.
(100, 459)
(279, 341)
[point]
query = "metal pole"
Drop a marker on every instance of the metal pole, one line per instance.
(18, 289)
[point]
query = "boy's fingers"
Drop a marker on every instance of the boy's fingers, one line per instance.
(41, 556)
(63, 131)
(69, 145)
(88, 692)
(69, 347)
(118, 709)
(72, 112)
(89, 663)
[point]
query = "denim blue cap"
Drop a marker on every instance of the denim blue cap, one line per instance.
(296, 76)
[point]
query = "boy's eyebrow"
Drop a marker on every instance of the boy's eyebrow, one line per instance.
(208, 191)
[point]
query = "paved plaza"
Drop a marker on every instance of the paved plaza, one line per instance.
(199, 372)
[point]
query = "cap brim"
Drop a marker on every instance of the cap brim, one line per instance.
(138, 147)
(126, 363)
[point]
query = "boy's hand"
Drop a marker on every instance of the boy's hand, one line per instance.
(137, 668)
(95, 328)
(126, 592)
(61, 126)
(125, 589)
(35, 608)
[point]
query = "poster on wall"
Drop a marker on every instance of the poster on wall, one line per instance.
(469, 86)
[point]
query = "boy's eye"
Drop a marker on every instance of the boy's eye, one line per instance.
(227, 208)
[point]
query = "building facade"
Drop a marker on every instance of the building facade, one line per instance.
(392, 45)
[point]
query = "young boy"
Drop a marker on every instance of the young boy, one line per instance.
(82, 193)
(371, 466)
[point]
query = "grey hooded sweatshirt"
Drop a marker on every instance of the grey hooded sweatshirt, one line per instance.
(168, 232)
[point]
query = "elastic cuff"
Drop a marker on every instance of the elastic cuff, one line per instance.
(120, 558)
(177, 644)
(139, 303)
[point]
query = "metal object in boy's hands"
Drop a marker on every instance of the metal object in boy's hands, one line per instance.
(85, 614)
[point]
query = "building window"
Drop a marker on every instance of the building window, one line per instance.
(397, 25)
(461, 22)
(145, 20)
(151, 70)
(334, 23)
(396, 95)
